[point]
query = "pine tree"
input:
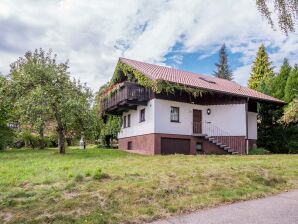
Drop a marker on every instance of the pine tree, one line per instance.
(280, 80)
(291, 90)
(223, 70)
(262, 72)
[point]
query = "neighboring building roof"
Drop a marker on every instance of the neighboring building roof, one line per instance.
(204, 82)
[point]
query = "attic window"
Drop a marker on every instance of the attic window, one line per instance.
(206, 80)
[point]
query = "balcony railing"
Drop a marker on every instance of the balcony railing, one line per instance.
(129, 94)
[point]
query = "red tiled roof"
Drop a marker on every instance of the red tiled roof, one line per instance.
(204, 82)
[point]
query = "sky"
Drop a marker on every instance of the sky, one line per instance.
(184, 34)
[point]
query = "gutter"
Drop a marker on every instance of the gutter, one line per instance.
(246, 117)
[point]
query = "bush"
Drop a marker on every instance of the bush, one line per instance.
(79, 178)
(258, 151)
(6, 136)
(97, 174)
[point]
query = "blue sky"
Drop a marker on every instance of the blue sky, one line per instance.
(183, 34)
(196, 63)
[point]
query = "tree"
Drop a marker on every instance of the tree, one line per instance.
(6, 133)
(291, 89)
(42, 87)
(268, 114)
(291, 113)
(262, 72)
(223, 71)
(280, 80)
(287, 12)
(109, 125)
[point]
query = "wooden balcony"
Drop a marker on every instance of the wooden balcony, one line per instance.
(127, 97)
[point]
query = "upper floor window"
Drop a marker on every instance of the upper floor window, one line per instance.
(174, 114)
(142, 115)
(128, 120)
(124, 122)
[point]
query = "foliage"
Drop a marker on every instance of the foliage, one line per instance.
(287, 12)
(29, 139)
(44, 93)
(97, 174)
(79, 178)
(123, 70)
(280, 80)
(291, 89)
(110, 127)
(32, 182)
(262, 72)
(6, 133)
(258, 151)
(223, 71)
(273, 134)
(291, 113)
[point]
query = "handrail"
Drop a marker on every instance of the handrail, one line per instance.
(218, 135)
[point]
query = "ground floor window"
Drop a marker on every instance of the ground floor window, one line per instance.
(129, 145)
(199, 148)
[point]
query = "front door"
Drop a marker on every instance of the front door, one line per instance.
(197, 121)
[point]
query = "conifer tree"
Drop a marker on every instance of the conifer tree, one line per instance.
(291, 90)
(223, 71)
(280, 80)
(261, 80)
(262, 72)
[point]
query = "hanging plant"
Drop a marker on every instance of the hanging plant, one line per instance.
(123, 70)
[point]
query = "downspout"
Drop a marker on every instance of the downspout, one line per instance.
(246, 117)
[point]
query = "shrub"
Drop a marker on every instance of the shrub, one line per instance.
(87, 173)
(79, 178)
(258, 151)
(97, 174)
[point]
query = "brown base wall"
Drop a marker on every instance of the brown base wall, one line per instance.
(150, 144)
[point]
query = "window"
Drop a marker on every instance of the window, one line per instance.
(199, 148)
(124, 121)
(174, 114)
(129, 145)
(142, 115)
(128, 120)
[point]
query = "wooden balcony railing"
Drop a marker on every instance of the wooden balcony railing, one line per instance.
(128, 94)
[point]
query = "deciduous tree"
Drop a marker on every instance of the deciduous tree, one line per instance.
(43, 89)
(287, 13)
(6, 133)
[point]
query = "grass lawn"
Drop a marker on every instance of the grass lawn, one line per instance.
(45, 187)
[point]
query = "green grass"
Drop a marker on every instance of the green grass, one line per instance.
(258, 151)
(110, 186)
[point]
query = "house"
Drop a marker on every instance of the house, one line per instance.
(167, 111)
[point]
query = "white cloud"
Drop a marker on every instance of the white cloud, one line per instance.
(93, 34)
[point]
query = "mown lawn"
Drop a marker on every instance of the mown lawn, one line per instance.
(45, 187)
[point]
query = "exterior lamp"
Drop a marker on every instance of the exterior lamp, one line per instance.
(208, 111)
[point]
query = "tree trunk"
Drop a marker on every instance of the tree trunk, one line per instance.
(61, 140)
(60, 130)
(41, 139)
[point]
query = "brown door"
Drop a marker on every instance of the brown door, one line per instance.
(175, 145)
(197, 121)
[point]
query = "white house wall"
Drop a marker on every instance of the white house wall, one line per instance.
(137, 127)
(229, 118)
(252, 125)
